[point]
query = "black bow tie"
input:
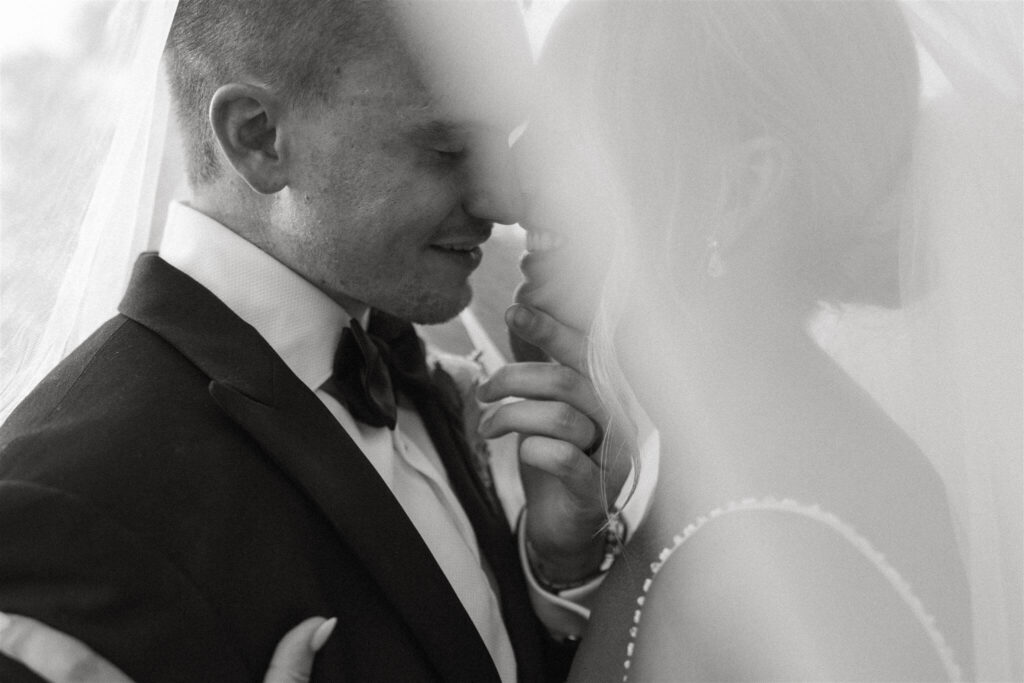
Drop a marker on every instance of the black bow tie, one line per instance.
(370, 368)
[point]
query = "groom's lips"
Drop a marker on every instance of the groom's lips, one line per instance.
(464, 256)
(463, 249)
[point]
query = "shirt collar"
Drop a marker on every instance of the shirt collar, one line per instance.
(301, 323)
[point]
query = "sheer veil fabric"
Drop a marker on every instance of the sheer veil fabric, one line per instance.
(967, 288)
(85, 209)
(948, 366)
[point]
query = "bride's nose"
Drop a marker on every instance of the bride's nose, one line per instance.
(494, 192)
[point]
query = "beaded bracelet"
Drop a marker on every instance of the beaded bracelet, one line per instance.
(614, 538)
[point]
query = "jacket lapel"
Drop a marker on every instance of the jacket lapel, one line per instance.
(255, 388)
(495, 539)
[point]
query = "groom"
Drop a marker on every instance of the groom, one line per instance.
(206, 471)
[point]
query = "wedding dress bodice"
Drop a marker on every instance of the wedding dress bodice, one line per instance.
(902, 589)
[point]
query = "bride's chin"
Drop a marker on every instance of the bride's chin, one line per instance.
(561, 300)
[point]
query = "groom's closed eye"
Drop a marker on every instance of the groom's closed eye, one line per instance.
(452, 153)
(445, 141)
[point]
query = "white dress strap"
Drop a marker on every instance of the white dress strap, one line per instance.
(813, 512)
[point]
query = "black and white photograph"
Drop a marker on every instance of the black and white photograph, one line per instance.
(601, 341)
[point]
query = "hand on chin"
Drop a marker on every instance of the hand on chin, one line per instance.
(563, 293)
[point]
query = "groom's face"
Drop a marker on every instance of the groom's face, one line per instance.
(395, 192)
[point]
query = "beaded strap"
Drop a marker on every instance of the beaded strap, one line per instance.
(901, 586)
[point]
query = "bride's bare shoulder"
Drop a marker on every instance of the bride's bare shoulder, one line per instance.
(766, 595)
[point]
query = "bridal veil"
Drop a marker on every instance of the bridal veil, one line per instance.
(947, 366)
(79, 205)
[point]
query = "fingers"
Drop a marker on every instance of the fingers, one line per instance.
(561, 401)
(564, 344)
(55, 656)
(561, 460)
(552, 419)
(293, 659)
(541, 381)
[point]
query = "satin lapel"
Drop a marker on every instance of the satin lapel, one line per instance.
(254, 387)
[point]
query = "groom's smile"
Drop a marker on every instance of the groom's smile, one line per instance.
(396, 195)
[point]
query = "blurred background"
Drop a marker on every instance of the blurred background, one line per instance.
(45, 47)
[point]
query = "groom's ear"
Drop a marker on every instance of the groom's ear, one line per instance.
(244, 119)
(758, 171)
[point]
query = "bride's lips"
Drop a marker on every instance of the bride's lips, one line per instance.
(542, 240)
(542, 247)
(558, 277)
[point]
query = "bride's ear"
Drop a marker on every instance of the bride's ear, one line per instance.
(244, 119)
(756, 174)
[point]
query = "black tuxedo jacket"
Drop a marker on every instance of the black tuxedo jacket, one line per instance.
(173, 496)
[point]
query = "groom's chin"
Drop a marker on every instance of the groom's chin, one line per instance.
(439, 310)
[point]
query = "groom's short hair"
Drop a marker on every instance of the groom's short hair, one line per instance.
(298, 47)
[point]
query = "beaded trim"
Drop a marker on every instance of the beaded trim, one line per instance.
(814, 512)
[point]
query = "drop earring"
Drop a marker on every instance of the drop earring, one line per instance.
(715, 264)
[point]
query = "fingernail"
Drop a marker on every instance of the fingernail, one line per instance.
(519, 316)
(322, 633)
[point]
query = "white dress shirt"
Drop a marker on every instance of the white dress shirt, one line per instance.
(303, 325)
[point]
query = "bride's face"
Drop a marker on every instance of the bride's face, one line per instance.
(568, 202)
(567, 237)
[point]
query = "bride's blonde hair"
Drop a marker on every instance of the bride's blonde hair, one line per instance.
(663, 89)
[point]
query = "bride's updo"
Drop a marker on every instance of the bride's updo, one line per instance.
(693, 100)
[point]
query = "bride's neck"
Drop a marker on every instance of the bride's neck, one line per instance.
(715, 340)
(713, 380)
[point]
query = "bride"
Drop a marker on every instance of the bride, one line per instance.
(715, 171)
